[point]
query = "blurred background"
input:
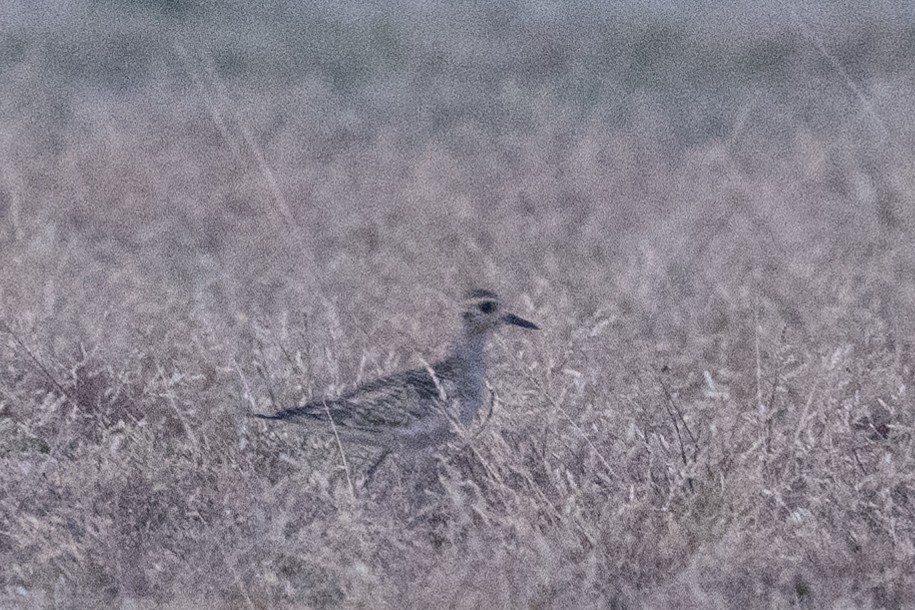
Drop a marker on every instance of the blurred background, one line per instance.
(665, 143)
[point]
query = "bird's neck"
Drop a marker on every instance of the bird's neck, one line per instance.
(469, 352)
(470, 348)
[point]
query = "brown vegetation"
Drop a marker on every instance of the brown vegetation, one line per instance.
(716, 236)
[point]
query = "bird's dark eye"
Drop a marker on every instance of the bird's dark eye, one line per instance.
(487, 307)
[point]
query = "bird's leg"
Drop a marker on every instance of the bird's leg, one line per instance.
(371, 471)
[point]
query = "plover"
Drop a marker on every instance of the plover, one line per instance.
(420, 408)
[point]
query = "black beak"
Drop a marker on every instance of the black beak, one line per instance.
(511, 318)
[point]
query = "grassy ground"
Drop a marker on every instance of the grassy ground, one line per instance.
(204, 215)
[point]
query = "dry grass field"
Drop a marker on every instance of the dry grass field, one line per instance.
(206, 213)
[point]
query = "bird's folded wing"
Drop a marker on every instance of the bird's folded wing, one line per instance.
(395, 401)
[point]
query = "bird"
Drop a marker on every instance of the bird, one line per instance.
(417, 409)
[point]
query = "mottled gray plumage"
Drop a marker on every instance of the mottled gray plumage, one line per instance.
(418, 408)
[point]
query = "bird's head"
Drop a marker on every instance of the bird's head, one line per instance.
(484, 312)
